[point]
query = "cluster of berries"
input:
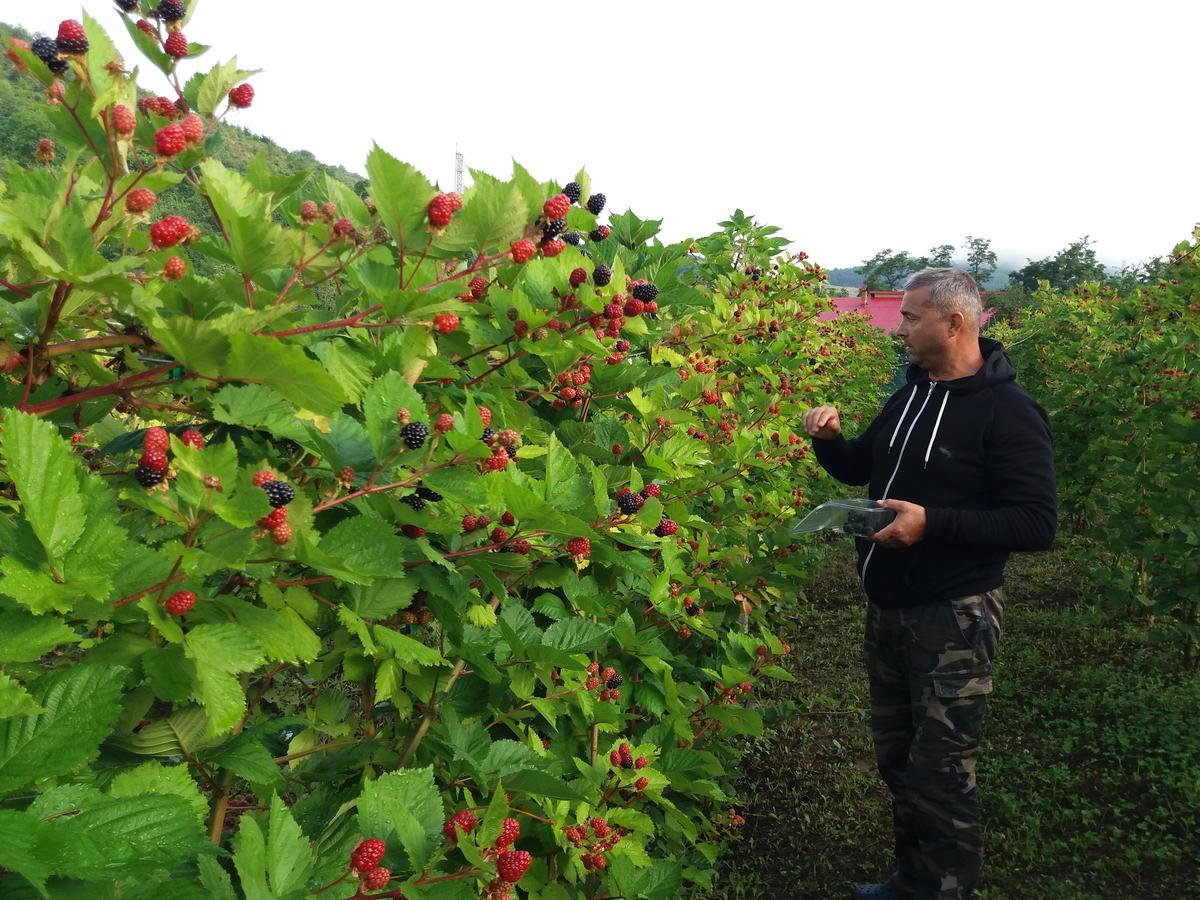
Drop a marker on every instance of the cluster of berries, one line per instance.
(571, 390)
(365, 860)
(607, 682)
(441, 210)
(630, 502)
(511, 864)
(152, 467)
(327, 212)
(621, 757)
(279, 495)
(593, 847)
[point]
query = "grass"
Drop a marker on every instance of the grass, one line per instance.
(1090, 770)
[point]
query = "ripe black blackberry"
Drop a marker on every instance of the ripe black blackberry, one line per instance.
(553, 228)
(645, 292)
(602, 275)
(574, 191)
(279, 493)
(414, 434)
(694, 610)
(128, 5)
(511, 451)
(148, 477)
(171, 10)
(615, 681)
(597, 234)
(595, 204)
(414, 501)
(426, 494)
(488, 434)
(574, 238)
(629, 503)
(45, 49)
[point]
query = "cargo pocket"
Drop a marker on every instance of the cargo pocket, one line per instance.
(953, 686)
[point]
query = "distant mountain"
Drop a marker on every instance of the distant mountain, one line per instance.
(849, 277)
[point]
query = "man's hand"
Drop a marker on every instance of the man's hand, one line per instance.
(823, 422)
(906, 529)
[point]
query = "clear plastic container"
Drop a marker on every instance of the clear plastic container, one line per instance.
(861, 518)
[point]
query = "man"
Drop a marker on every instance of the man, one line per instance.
(963, 456)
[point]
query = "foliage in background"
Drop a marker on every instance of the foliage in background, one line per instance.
(1120, 377)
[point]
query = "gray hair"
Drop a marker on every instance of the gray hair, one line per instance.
(950, 290)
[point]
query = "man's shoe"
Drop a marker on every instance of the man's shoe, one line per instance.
(883, 891)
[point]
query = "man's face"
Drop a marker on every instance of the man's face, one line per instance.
(925, 333)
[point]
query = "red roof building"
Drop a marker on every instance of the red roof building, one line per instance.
(881, 307)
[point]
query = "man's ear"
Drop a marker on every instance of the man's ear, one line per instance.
(955, 322)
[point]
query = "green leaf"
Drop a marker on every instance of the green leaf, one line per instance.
(79, 707)
(494, 213)
(285, 368)
(289, 854)
(405, 804)
(247, 758)
(15, 700)
(215, 879)
(283, 635)
(22, 847)
(256, 243)
(217, 84)
(25, 637)
(577, 635)
(365, 544)
(542, 784)
(258, 406)
(155, 778)
(250, 860)
(402, 195)
(46, 476)
(219, 652)
(407, 652)
(383, 398)
(130, 835)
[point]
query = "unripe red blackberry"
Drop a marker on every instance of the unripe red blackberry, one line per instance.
(367, 854)
(599, 233)
(174, 269)
(180, 602)
(556, 207)
(193, 128)
(241, 96)
(578, 276)
(440, 210)
(176, 45)
(309, 212)
(523, 250)
(376, 879)
(123, 121)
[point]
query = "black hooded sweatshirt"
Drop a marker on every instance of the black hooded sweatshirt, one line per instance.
(976, 453)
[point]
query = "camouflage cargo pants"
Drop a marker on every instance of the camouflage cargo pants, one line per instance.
(930, 671)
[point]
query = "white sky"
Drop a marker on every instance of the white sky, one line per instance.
(853, 125)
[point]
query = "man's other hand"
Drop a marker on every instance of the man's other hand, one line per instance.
(906, 529)
(823, 422)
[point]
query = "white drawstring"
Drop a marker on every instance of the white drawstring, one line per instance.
(896, 431)
(936, 423)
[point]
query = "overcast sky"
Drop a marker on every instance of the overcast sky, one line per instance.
(854, 126)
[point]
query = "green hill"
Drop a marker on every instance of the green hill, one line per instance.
(23, 123)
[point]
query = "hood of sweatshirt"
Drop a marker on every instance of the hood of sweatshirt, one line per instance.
(996, 368)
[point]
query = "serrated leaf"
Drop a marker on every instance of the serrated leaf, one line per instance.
(250, 860)
(258, 406)
(289, 854)
(25, 637)
(383, 398)
(79, 707)
(15, 700)
(122, 836)
(577, 635)
(46, 476)
(407, 651)
(405, 804)
(23, 840)
(402, 196)
(285, 368)
(155, 778)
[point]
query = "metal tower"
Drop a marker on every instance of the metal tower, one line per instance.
(458, 171)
